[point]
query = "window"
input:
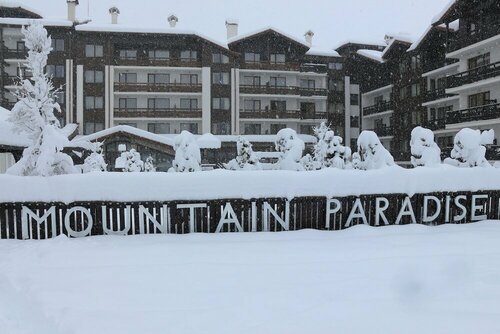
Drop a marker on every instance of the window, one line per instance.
(191, 127)
(251, 81)
(189, 104)
(479, 99)
(335, 66)
(219, 58)
(221, 103)
(252, 105)
(307, 129)
(128, 77)
(479, 61)
(94, 102)
(415, 62)
(92, 76)
(220, 128)
(277, 127)
(57, 44)
(277, 58)
(336, 85)
(55, 71)
(471, 28)
(61, 98)
(127, 103)
(93, 51)
(415, 90)
(354, 121)
(158, 78)
(378, 99)
(189, 79)
(220, 78)
(307, 106)
(307, 84)
(128, 54)
(252, 129)
(21, 47)
(354, 99)
(189, 55)
(278, 81)
(161, 128)
(252, 58)
(159, 54)
(278, 105)
(91, 127)
(158, 103)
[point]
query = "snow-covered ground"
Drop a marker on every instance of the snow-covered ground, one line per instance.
(405, 279)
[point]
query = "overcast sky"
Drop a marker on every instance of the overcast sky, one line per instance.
(333, 21)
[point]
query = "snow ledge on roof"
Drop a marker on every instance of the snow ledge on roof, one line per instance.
(371, 54)
(256, 32)
(322, 52)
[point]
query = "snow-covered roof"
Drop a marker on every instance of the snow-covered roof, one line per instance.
(16, 4)
(323, 52)
(361, 42)
(371, 54)
(118, 28)
(443, 12)
(8, 135)
(259, 31)
(395, 39)
(26, 21)
(131, 130)
(453, 26)
(209, 141)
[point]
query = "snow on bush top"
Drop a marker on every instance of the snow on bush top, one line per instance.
(291, 147)
(371, 152)
(187, 153)
(468, 149)
(424, 150)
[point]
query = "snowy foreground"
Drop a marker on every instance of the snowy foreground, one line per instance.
(405, 279)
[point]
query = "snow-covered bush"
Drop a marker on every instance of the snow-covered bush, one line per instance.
(468, 148)
(372, 154)
(291, 148)
(33, 114)
(133, 162)
(328, 150)
(245, 159)
(187, 154)
(95, 161)
(149, 166)
(424, 151)
(308, 163)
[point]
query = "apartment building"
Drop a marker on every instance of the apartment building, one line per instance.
(166, 80)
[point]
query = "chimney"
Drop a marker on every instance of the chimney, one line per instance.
(172, 20)
(232, 28)
(114, 14)
(309, 37)
(72, 9)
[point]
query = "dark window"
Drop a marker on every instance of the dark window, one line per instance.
(278, 105)
(159, 54)
(252, 105)
(307, 106)
(128, 77)
(220, 78)
(158, 103)
(21, 47)
(479, 99)
(127, 103)
(189, 55)
(251, 81)
(308, 84)
(189, 79)
(60, 98)
(220, 128)
(277, 58)
(307, 129)
(94, 102)
(93, 51)
(189, 104)
(335, 66)
(91, 127)
(275, 128)
(128, 54)
(57, 44)
(278, 82)
(93, 76)
(354, 99)
(160, 128)
(219, 58)
(252, 129)
(191, 127)
(415, 62)
(479, 61)
(158, 78)
(252, 58)
(55, 71)
(221, 103)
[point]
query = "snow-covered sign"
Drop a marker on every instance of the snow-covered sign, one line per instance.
(40, 221)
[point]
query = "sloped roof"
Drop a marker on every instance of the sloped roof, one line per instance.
(16, 4)
(444, 12)
(264, 30)
(393, 42)
(26, 21)
(371, 54)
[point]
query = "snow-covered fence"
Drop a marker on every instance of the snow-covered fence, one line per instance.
(78, 219)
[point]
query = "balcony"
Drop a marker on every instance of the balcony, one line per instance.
(156, 62)
(434, 124)
(384, 131)
(480, 113)
(474, 75)
(267, 65)
(14, 53)
(436, 94)
(157, 87)
(378, 108)
(282, 90)
(156, 113)
(282, 114)
(464, 39)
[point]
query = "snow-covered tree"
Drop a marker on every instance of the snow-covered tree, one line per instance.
(424, 151)
(95, 161)
(245, 159)
(328, 150)
(149, 166)
(372, 154)
(187, 154)
(33, 114)
(291, 148)
(308, 162)
(133, 162)
(468, 149)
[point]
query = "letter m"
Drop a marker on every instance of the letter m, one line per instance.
(27, 215)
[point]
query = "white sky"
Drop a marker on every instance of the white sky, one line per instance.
(332, 21)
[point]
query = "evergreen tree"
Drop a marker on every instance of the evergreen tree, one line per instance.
(245, 159)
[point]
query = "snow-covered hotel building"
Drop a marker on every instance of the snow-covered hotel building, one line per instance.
(166, 80)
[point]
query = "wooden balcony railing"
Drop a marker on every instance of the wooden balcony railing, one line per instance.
(384, 131)
(156, 62)
(435, 124)
(282, 90)
(282, 114)
(266, 65)
(464, 38)
(153, 113)
(436, 94)
(489, 111)
(14, 53)
(378, 108)
(473, 75)
(173, 87)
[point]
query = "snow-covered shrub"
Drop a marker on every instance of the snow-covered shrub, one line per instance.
(291, 148)
(33, 114)
(95, 161)
(187, 154)
(149, 166)
(245, 159)
(424, 151)
(372, 154)
(308, 163)
(468, 149)
(328, 150)
(133, 162)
